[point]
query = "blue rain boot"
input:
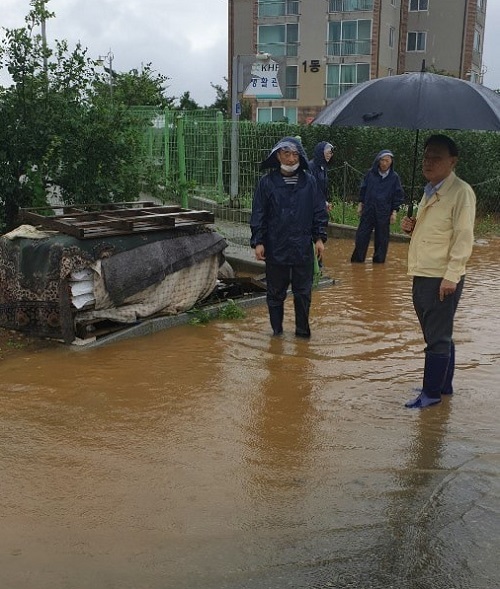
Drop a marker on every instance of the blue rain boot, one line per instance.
(448, 380)
(276, 319)
(434, 375)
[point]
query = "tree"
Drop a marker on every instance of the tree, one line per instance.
(221, 102)
(434, 70)
(187, 103)
(57, 127)
(134, 88)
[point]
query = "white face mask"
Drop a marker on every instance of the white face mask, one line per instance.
(290, 169)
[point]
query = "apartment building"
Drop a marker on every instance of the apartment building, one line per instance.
(324, 47)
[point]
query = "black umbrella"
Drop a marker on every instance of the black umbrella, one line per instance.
(415, 101)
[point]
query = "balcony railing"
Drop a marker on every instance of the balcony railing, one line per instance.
(350, 5)
(335, 90)
(291, 92)
(284, 8)
(349, 47)
(279, 49)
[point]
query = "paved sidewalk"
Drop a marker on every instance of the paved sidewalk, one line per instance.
(241, 256)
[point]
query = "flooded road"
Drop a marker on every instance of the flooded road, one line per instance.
(217, 457)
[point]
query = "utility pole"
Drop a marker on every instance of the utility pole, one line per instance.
(44, 45)
(102, 61)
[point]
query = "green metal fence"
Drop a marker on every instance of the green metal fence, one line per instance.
(191, 158)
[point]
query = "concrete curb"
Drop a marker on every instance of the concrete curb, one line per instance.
(150, 326)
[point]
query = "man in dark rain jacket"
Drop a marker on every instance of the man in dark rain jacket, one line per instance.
(318, 166)
(380, 197)
(288, 224)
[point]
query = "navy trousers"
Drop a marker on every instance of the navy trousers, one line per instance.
(435, 316)
(279, 278)
(371, 220)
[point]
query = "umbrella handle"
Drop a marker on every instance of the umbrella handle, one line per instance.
(413, 174)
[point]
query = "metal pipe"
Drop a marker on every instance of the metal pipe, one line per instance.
(167, 118)
(181, 147)
(44, 45)
(220, 153)
(235, 116)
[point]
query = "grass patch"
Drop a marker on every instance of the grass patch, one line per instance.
(488, 225)
(347, 214)
(15, 345)
(229, 310)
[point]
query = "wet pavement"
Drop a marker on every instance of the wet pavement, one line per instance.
(219, 457)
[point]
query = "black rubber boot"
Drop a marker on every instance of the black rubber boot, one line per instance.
(301, 306)
(448, 380)
(435, 369)
(356, 258)
(276, 319)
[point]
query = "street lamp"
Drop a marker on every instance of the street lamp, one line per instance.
(104, 60)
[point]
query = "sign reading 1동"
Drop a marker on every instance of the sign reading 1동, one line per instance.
(264, 82)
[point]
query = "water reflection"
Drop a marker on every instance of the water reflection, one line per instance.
(281, 427)
(417, 553)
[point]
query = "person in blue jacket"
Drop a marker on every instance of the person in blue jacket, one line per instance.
(318, 166)
(288, 225)
(380, 197)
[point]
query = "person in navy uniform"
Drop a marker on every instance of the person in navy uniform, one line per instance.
(380, 197)
(288, 228)
(318, 166)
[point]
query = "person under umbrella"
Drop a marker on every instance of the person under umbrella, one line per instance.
(442, 236)
(380, 197)
(288, 225)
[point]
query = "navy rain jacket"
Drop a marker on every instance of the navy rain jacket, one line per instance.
(318, 167)
(380, 196)
(287, 219)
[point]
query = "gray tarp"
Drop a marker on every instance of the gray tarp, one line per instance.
(130, 272)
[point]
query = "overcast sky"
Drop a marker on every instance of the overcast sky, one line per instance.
(185, 40)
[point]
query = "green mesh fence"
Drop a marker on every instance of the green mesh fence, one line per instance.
(199, 160)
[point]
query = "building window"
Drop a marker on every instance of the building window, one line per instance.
(340, 77)
(477, 41)
(416, 41)
(277, 114)
(480, 5)
(278, 7)
(349, 37)
(278, 40)
(349, 5)
(419, 5)
(392, 36)
(291, 85)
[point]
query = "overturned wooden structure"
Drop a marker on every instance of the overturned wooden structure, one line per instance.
(99, 220)
(86, 271)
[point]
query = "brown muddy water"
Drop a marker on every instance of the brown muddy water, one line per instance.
(218, 457)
